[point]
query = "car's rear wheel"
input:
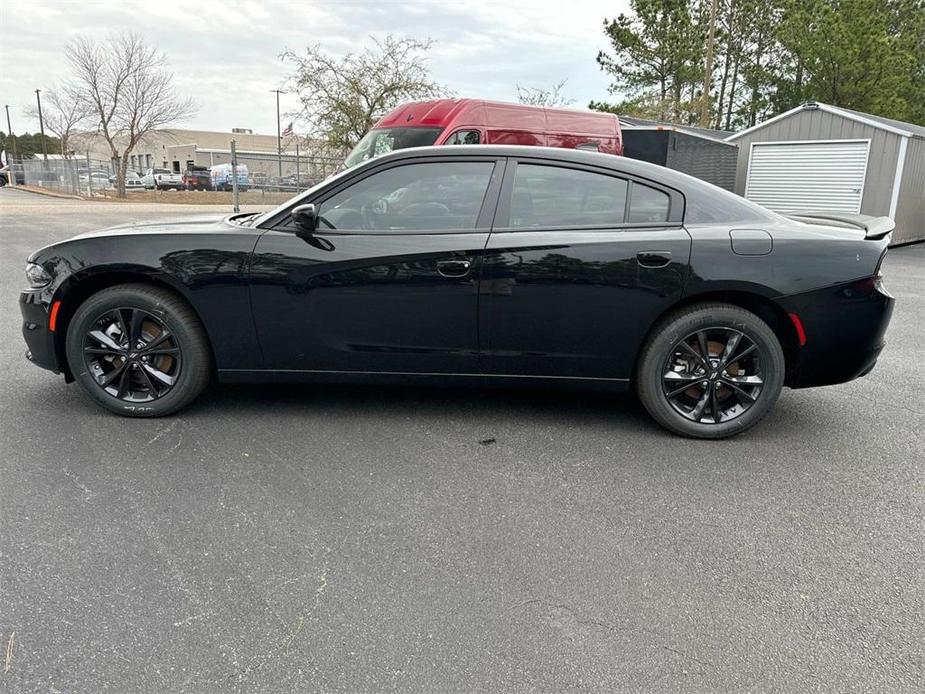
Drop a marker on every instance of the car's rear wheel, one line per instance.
(138, 350)
(710, 371)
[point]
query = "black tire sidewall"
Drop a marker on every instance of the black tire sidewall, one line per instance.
(671, 331)
(166, 307)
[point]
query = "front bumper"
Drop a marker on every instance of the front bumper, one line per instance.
(40, 341)
(845, 328)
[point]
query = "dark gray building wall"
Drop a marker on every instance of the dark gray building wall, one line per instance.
(708, 160)
(817, 125)
(910, 208)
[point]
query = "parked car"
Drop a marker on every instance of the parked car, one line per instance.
(95, 179)
(221, 177)
(197, 179)
(482, 265)
(162, 179)
(476, 121)
(132, 181)
(300, 182)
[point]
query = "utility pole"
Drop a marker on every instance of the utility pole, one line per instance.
(235, 205)
(279, 134)
(9, 130)
(708, 70)
(38, 98)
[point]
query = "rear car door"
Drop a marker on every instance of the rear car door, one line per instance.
(389, 281)
(579, 264)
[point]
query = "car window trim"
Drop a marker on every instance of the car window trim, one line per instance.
(482, 222)
(675, 199)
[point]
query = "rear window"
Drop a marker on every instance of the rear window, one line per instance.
(648, 205)
(548, 196)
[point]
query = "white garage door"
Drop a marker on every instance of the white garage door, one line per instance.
(803, 176)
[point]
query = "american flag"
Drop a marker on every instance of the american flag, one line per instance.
(288, 130)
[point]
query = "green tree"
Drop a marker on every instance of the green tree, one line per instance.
(770, 55)
(867, 55)
(656, 55)
(29, 145)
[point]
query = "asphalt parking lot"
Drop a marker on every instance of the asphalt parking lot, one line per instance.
(384, 539)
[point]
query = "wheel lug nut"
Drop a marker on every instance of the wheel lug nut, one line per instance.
(705, 384)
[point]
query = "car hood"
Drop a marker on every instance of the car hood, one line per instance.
(197, 223)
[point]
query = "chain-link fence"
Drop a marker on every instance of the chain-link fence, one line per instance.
(267, 177)
(75, 176)
(287, 173)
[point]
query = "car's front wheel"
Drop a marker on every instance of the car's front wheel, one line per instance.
(139, 351)
(710, 371)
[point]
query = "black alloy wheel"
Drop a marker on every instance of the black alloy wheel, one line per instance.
(132, 355)
(710, 371)
(713, 375)
(138, 350)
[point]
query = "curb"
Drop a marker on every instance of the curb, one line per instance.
(43, 191)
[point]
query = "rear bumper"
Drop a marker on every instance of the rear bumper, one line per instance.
(845, 332)
(40, 341)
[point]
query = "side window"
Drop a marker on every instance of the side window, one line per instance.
(464, 137)
(432, 196)
(648, 204)
(552, 196)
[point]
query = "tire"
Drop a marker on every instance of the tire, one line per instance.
(169, 351)
(749, 387)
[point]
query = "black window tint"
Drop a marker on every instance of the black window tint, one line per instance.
(464, 137)
(552, 196)
(714, 204)
(434, 196)
(648, 205)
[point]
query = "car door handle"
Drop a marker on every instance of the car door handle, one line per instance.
(653, 258)
(453, 268)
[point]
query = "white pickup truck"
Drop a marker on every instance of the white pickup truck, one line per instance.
(162, 179)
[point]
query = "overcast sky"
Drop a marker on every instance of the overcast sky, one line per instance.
(225, 54)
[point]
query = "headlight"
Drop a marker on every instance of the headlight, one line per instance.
(37, 276)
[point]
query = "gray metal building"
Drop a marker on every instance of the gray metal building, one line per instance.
(700, 152)
(821, 157)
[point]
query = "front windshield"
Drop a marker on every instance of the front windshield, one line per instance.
(384, 140)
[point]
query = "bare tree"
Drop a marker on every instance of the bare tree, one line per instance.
(128, 89)
(65, 112)
(539, 96)
(342, 98)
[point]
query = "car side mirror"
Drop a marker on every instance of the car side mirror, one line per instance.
(306, 219)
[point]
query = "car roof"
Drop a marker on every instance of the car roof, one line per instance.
(633, 167)
(693, 189)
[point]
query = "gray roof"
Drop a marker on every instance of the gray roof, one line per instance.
(894, 126)
(918, 130)
(633, 122)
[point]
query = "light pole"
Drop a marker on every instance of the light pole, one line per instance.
(38, 98)
(9, 129)
(279, 134)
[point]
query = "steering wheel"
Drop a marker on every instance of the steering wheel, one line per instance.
(373, 212)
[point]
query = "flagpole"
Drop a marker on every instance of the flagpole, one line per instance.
(279, 135)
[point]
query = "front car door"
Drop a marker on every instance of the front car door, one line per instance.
(579, 264)
(389, 281)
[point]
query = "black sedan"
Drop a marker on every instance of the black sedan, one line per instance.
(479, 265)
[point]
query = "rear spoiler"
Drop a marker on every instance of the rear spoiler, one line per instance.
(873, 227)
